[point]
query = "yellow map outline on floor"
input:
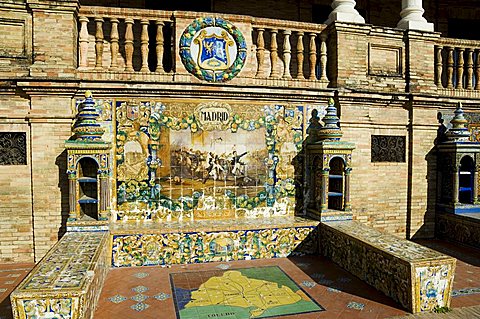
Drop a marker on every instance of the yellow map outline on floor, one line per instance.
(244, 294)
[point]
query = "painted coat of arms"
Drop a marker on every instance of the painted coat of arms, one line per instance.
(213, 49)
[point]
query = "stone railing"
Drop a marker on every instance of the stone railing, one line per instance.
(457, 64)
(118, 39)
(301, 55)
(131, 44)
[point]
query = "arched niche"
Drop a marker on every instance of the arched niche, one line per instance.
(336, 183)
(87, 190)
(466, 172)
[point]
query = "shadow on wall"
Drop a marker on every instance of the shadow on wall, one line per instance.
(61, 162)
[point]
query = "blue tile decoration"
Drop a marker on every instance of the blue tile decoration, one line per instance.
(162, 296)
(465, 291)
(117, 298)
(334, 290)
(139, 298)
(139, 306)
(223, 266)
(140, 275)
(2, 290)
(308, 284)
(140, 289)
(355, 305)
(317, 275)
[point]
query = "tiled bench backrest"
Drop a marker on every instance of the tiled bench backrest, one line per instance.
(417, 277)
(67, 281)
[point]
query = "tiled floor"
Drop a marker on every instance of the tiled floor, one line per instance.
(10, 276)
(147, 291)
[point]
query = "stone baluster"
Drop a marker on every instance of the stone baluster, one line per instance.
(159, 46)
(287, 54)
(114, 43)
(469, 66)
(274, 54)
(412, 16)
(83, 41)
(144, 45)
(98, 43)
(323, 58)
(129, 44)
(344, 10)
(313, 56)
(477, 71)
(460, 68)
(300, 55)
(438, 66)
(449, 67)
(260, 51)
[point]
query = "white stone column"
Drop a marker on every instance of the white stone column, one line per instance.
(412, 16)
(344, 11)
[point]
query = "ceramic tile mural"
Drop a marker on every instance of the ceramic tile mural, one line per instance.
(180, 248)
(434, 282)
(209, 160)
(415, 276)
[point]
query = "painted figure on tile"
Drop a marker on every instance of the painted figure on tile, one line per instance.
(237, 163)
(134, 166)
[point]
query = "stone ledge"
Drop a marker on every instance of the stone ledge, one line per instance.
(460, 228)
(418, 278)
(68, 280)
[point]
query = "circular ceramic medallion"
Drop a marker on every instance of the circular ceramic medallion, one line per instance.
(213, 49)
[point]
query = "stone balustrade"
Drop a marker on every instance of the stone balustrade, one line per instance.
(123, 44)
(457, 64)
(290, 50)
(119, 39)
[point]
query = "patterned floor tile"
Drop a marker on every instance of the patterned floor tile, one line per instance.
(140, 306)
(140, 275)
(117, 298)
(162, 296)
(355, 305)
(139, 298)
(140, 289)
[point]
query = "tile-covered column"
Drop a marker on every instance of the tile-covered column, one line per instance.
(344, 11)
(412, 16)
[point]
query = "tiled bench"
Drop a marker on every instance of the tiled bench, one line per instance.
(137, 244)
(418, 278)
(67, 281)
(460, 228)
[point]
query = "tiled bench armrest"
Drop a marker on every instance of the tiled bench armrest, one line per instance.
(67, 281)
(417, 277)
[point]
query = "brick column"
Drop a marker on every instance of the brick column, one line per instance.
(55, 37)
(412, 16)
